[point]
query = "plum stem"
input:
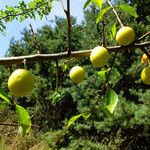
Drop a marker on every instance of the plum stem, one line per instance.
(115, 13)
(57, 80)
(25, 64)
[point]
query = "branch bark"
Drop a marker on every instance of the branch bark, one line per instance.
(67, 13)
(69, 26)
(8, 61)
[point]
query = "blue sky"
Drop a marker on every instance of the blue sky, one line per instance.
(14, 28)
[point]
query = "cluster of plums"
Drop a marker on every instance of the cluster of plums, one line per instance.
(99, 57)
(21, 82)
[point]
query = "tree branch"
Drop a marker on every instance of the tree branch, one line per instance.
(12, 15)
(37, 45)
(103, 34)
(8, 61)
(69, 27)
(67, 12)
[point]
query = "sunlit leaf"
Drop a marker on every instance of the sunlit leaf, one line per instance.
(113, 31)
(102, 74)
(127, 8)
(3, 96)
(98, 3)
(24, 120)
(101, 14)
(87, 4)
(112, 98)
(107, 112)
(86, 116)
(73, 119)
(64, 67)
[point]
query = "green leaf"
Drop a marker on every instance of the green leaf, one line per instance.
(86, 4)
(32, 4)
(73, 119)
(86, 116)
(107, 112)
(64, 67)
(24, 120)
(102, 74)
(56, 97)
(98, 3)
(3, 96)
(101, 14)
(127, 8)
(113, 31)
(112, 98)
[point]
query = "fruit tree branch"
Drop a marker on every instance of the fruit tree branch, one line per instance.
(8, 61)
(103, 34)
(69, 26)
(37, 46)
(13, 15)
(67, 12)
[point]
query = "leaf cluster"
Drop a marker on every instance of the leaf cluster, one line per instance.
(24, 10)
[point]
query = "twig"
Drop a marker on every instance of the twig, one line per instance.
(10, 70)
(8, 124)
(115, 13)
(57, 75)
(7, 16)
(37, 46)
(63, 7)
(14, 124)
(103, 34)
(143, 36)
(112, 63)
(69, 27)
(104, 86)
(67, 12)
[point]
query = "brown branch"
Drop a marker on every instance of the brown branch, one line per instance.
(69, 27)
(63, 6)
(49, 57)
(103, 34)
(33, 33)
(67, 12)
(37, 45)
